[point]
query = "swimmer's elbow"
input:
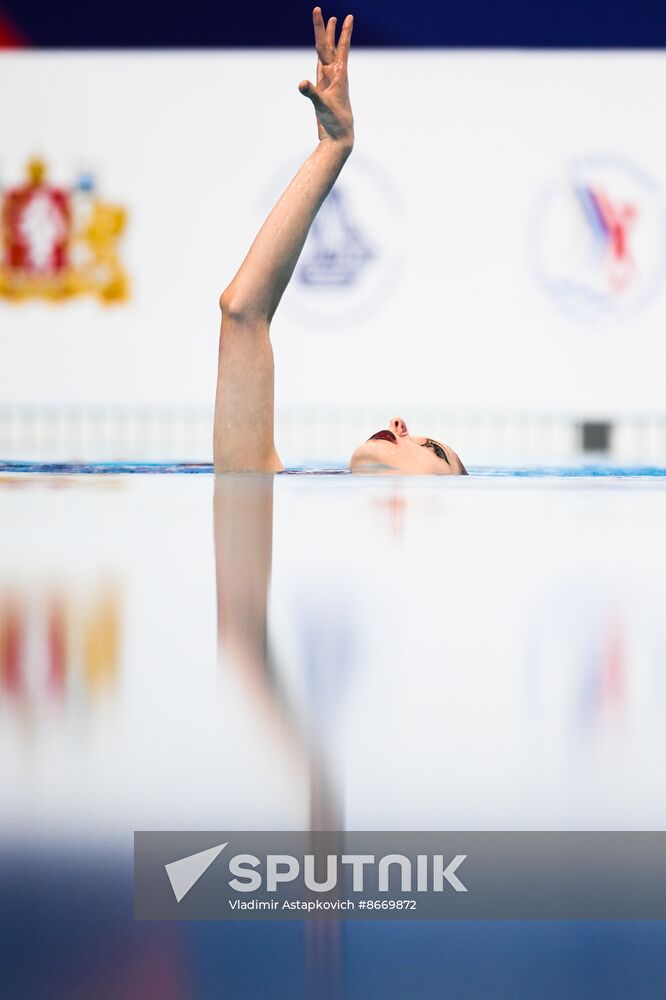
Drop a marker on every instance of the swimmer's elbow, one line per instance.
(231, 306)
(238, 310)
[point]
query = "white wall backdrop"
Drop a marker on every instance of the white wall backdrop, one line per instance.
(496, 244)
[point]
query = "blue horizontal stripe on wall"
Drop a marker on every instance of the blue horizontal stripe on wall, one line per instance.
(475, 23)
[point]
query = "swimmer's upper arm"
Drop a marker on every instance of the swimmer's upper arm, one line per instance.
(243, 432)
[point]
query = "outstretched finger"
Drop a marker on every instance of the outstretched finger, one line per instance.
(345, 37)
(320, 36)
(330, 35)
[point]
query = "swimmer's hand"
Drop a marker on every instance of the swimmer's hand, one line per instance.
(331, 95)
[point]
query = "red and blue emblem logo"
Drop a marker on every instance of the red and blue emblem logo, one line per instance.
(599, 239)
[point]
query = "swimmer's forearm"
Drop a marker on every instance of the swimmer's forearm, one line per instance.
(257, 288)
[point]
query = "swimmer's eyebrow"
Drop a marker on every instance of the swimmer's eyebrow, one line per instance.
(463, 471)
(440, 445)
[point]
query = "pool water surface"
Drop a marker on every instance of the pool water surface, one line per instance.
(321, 651)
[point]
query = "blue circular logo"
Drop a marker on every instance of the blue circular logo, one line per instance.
(353, 254)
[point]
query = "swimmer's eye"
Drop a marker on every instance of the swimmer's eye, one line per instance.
(437, 448)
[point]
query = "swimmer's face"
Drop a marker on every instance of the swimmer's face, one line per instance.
(396, 450)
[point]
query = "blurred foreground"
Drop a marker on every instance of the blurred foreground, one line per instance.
(323, 652)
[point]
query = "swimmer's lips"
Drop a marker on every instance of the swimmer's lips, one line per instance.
(384, 436)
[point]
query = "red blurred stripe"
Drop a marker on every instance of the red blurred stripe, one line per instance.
(11, 36)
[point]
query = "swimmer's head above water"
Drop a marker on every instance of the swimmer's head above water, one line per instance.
(394, 449)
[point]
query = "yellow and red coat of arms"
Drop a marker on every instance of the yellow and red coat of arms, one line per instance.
(59, 242)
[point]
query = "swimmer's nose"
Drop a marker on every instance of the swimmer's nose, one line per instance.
(398, 426)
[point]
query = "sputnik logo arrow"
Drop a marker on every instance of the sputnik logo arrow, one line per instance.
(185, 872)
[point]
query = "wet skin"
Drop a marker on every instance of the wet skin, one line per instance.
(395, 450)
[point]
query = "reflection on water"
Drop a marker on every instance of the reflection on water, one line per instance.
(298, 685)
(58, 647)
(319, 652)
(243, 516)
(594, 677)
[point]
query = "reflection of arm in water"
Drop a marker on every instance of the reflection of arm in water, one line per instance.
(243, 522)
(243, 437)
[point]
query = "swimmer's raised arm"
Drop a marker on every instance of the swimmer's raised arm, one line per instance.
(243, 437)
(264, 274)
